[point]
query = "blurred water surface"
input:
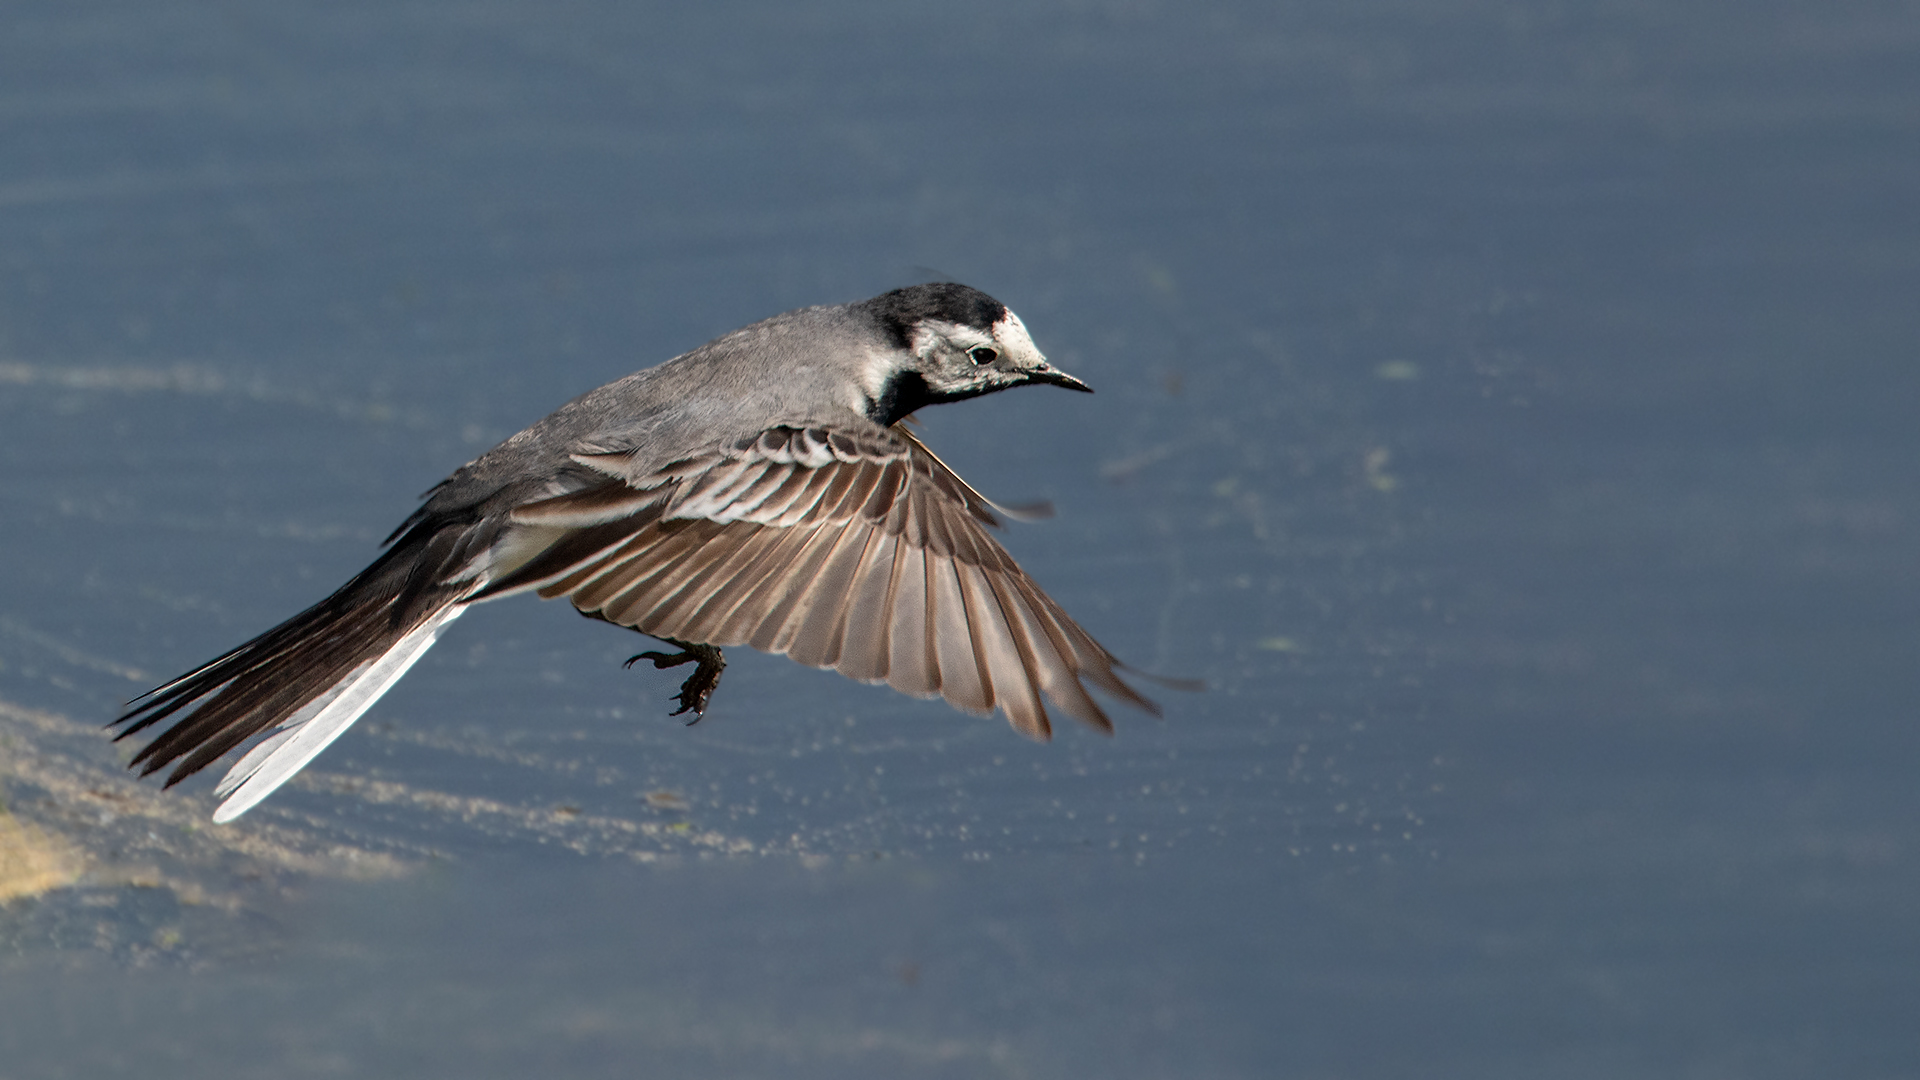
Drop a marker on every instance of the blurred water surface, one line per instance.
(1507, 409)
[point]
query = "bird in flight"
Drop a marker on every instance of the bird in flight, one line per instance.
(760, 490)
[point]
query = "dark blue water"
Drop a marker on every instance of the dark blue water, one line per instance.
(1507, 409)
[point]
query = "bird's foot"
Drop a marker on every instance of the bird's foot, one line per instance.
(699, 685)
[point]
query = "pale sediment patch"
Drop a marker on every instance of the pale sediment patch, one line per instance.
(78, 818)
(32, 862)
(65, 779)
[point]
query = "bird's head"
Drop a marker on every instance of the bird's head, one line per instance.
(948, 342)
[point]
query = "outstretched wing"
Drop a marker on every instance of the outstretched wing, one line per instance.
(860, 552)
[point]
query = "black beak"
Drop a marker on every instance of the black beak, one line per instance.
(1050, 374)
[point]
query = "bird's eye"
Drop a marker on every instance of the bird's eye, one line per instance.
(983, 354)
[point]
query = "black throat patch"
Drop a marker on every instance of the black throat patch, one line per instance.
(907, 391)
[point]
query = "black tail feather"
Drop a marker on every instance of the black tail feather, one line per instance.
(270, 678)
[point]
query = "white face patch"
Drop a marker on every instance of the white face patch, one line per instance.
(959, 338)
(1012, 337)
(943, 358)
(880, 368)
(928, 338)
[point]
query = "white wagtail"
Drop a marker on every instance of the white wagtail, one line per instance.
(760, 490)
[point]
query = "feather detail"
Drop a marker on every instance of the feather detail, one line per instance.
(841, 543)
(331, 661)
(858, 551)
(304, 735)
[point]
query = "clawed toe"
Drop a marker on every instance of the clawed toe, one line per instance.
(700, 685)
(662, 660)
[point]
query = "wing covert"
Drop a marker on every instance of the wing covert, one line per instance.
(856, 551)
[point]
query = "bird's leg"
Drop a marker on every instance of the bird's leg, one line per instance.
(699, 685)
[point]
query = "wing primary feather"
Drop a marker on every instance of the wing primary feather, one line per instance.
(670, 554)
(745, 600)
(952, 639)
(698, 615)
(1084, 664)
(705, 546)
(593, 569)
(909, 666)
(813, 631)
(821, 640)
(1042, 665)
(1060, 679)
(813, 611)
(619, 572)
(796, 582)
(689, 615)
(864, 649)
(1004, 665)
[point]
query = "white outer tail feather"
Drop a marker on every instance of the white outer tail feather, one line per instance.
(309, 731)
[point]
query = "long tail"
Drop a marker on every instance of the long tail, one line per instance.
(310, 678)
(302, 736)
